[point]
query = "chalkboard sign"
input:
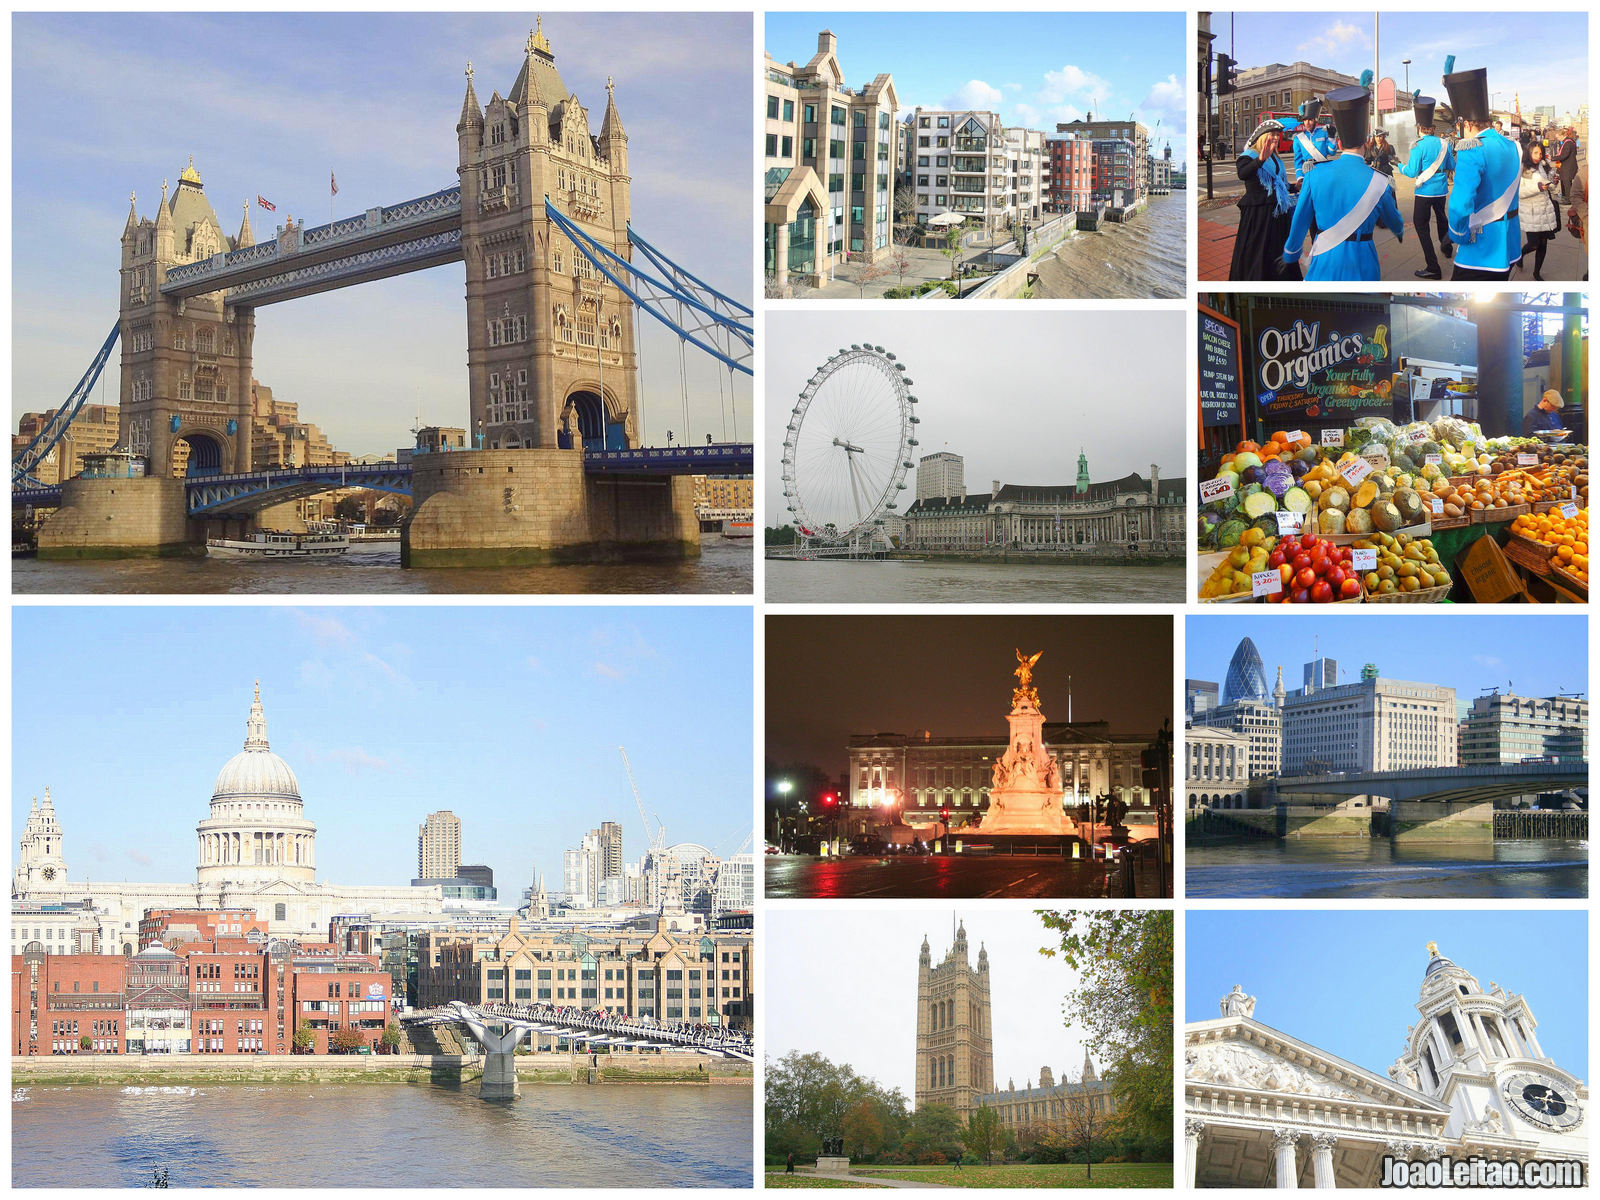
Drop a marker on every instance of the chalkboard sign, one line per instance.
(1220, 392)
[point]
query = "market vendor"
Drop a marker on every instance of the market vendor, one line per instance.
(1544, 415)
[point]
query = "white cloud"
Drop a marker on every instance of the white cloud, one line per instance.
(352, 758)
(325, 629)
(974, 94)
(1165, 97)
(607, 671)
(1012, 87)
(1341, 35)
(1073, 83)
(1027, 115)
(140, 857)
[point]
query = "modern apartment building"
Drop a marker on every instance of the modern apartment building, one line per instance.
(1069, 172)
(941, 474)
(1132, 164)
(830, 159)
(1373, 725)
(970, 165)
(439, 846)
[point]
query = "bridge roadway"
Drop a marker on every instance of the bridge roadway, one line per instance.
(596, 1028)
(251, 491)
(1452, 785)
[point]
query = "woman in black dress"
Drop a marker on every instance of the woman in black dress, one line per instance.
(1265, 211)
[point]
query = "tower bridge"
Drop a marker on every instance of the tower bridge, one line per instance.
(540, 218)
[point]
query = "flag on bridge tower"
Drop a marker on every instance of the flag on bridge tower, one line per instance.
(333, 184)
(265, 203)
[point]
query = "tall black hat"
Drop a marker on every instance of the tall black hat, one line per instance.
(1422, 108)
(1310, 109)
(1469, 95)
(1350, 116)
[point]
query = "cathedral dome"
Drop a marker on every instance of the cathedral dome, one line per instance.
(256, 771)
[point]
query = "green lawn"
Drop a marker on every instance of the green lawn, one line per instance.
(1137, 1175)
(777, 1179)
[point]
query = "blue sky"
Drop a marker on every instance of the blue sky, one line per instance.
(509, 717)
(1543, 56)
(1349, 981)
(1034, 69)
(104, 105)
(1540, 655)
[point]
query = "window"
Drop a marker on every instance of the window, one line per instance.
(836, 115)
(788, 110)
(280, 912)
(811, 114)
(772, 145)
(772, 108)
(788, 147)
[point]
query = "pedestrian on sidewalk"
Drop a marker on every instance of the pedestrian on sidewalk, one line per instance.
(1536, 207)
(1567, 162)
(1264, 211)
(1482, 208)
(1431, 163)
(1344, 201)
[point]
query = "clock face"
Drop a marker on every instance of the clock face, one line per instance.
(1542, 1100)
(49, 873)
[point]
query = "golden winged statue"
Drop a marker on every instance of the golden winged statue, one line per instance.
(1025, 691)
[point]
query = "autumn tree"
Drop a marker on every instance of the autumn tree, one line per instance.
(982, 1134)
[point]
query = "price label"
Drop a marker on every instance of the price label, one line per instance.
(1436, 503)
(1364, 560)
(1333, 437)
(1413, 437)
(1216, 489)
(1375, 452)
(1572, 490)
(1432, 460)
(1569, 510)
(1289, 522)
(1297, 435)
(1527, 460)
(1355, 471)
(1266, 583)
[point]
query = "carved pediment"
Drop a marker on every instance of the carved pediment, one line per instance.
(1239, 1064)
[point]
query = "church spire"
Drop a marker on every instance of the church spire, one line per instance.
(1088, 1067)
(611, 127)
(256, 739)
(246, 236)
(471, 111)
(133, 214)
(163, 214)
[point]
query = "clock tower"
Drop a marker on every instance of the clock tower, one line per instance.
(40, 865)
(1477, 1052)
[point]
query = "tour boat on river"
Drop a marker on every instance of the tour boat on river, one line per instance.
(274, 543)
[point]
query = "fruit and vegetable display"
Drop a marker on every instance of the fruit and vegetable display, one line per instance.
(1374, 486)
(1313, 571)
(1564, 539)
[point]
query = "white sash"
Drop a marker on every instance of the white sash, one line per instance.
(1351, 221)
(1498, 208)
(1310, 148)
(1434, 166)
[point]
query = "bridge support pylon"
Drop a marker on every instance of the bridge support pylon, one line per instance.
(120, 518)
(532, 507)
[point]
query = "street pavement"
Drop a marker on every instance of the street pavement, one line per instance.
(1566, 259)
(791, 877)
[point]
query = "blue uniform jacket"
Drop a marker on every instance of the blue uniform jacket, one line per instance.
(1486, 167)
(1328, 194)
(1321, 139)
(1422, 154)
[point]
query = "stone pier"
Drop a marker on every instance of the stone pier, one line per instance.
(1426, 821)
(504, 508)
(120, 518)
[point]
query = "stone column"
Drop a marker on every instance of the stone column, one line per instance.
(1192, 1132)
(1283, 1147)
(1322, 1158)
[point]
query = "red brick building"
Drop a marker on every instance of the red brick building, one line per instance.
(1069, 172)
(57, 1000)
(198, 924)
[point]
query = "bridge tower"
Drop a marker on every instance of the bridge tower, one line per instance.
(550, 341)
(186, 364)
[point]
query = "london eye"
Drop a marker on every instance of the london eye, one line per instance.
(848, 447)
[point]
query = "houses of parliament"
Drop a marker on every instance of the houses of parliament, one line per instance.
(955, 1050)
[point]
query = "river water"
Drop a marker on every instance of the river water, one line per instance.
(382, 1135)
(724, 567)
(908, 581)
(1136, 260)
(1362, 868)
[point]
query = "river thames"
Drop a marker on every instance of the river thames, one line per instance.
(382, 1135)
(1138, 259)
(725, 567)
(1360, 868)
(910, 581)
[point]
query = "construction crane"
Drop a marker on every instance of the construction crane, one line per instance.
(656, 838)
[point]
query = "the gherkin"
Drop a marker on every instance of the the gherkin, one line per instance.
(1247, 678)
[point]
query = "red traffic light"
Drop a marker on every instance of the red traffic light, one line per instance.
(828, 799)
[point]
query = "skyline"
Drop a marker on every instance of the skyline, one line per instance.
(1298, 965)
(953, 677)
(1025, 990)
(1021, 420)
(374, 99)
(1551, 658)
(1034, 69)
(523, 710)
(1552, 68)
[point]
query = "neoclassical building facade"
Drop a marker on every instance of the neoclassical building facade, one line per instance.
(255, 850)
(1263, 1108)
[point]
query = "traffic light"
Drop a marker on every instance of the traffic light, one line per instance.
(1226, 79)
(829, 799)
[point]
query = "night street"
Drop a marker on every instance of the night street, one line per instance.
(792, 877)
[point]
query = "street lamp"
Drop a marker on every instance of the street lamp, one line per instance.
(1407, 63)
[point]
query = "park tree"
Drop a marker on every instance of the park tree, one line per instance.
(952, 247)
(899, 262)
(345, 1041)
(351, 508)
(905, 209)
(86, 1042)
(867, 273)
(305, 1037)
(809, 1098)
(1123, 1005)
(982, 1134)
(863, 1130)
(390, 1039)
(935, 1130)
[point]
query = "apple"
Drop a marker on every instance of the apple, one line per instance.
(1286, 575)
(1302, 562)
(1322, 592)
(1308, 540)
(1304, 578)
(1349, 588)
(1299, 596)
